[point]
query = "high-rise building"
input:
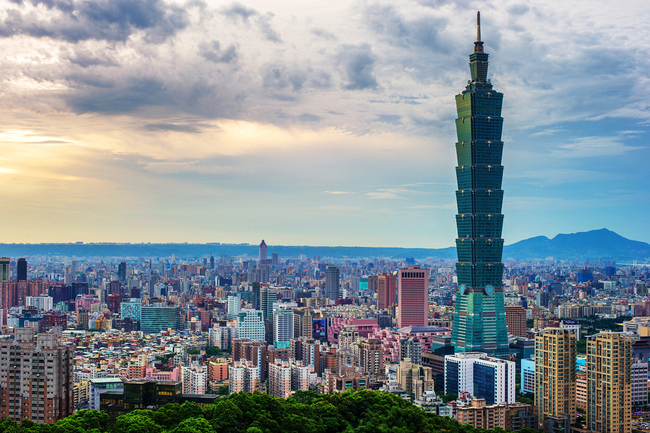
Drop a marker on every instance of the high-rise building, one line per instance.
(36, 380)
(516, 320)
(121, 271)
(415, 380)
(5, 269)
(413, 296)
(234, 306)
(160, 317)
(262, 252)
(279, 379)
(371, 357)
(283, 325)
(410, 348)
(482, 376)
(609, 382)
(386, 287)
(479, 316)
(268, 298)
(250, 324)
(332, 283)
(194, 378)
(21, 270)
(555, 379)
(639, 384)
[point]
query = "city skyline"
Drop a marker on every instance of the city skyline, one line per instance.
(234, 122)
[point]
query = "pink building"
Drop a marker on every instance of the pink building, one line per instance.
(390, 339)
(364, 327)
(413, 302)
(85, 301)
(163, 375)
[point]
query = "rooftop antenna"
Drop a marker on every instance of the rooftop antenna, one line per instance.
(478, 45)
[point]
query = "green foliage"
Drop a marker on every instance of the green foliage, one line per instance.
(581, 346)
(305, 412)
(530, 323)
(211, 351)
(193, 352)
(223, 390)
(449, 397)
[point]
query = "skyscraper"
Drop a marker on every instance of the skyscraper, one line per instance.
(555, 379)
(479, 317)
(283, 324)
(262, 252)
(386, 286)
(609, 382)
(21, 270)
(5, 269)
(121, 271)
(332, 283)
(413, 296)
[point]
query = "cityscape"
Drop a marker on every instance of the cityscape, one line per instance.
(541, 335)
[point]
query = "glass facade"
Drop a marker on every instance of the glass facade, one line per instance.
(484, 383)
(479, 317)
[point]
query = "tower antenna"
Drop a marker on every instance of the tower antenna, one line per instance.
(478, 26)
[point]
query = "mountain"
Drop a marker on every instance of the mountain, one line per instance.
(583, 246)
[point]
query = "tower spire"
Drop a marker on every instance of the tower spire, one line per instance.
(478, 45)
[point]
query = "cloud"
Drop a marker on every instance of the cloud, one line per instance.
(392, 119)
(338, 207)
(358, 64)
(322, 33)
(212, 51)
(382, 195)
(191, 128)
(238, 11)
(164, 167)
(588, 147)
(339, 192)
(110, 20)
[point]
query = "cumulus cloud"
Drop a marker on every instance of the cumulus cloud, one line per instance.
(238, 11)
(358, 63)
(212, 51)
(110, 20)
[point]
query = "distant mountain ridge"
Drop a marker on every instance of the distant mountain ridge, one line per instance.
(582, 246)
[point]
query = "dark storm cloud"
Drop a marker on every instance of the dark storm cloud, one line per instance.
(212, 51)
(238, 11)
(358, 63)
(111, 20)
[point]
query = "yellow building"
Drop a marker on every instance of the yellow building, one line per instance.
(609, 382)
(555, 379)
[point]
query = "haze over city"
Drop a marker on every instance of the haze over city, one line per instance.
(304, 123)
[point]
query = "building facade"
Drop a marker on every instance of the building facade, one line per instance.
(413, 297)
(479, 316)
(555, 379)
(609, 382)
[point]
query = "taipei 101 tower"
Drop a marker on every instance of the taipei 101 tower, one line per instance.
(479, 316)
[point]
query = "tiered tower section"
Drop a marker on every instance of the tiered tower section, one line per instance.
(479, 317)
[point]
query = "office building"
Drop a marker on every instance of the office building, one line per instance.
(268, 297)
(99, 385)
(5, 269)
(234, 306)
(283, 330)
(516, 320)
(479, 316)
(527, 384)
(250, 324)
(639, 384)
(42, 302)
(481, 376)
(121, 271)
(36, 380)
(160, 317)
(386, 290)
(131, 308)
(262, 252)
(609, 382)
(413, 294)
(332, 283)
(21, 270)
(555, 379)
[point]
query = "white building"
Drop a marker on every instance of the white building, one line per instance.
(639, 384)
(481, 376)
(99, 385)
(194, 378)
(234, 306)
(250, 324)
(43, 302)
(300, 376)
(282, 324)
(572, 326)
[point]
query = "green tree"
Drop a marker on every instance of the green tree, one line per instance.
(194, 425)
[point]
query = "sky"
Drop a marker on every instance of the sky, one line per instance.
(313, 123)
